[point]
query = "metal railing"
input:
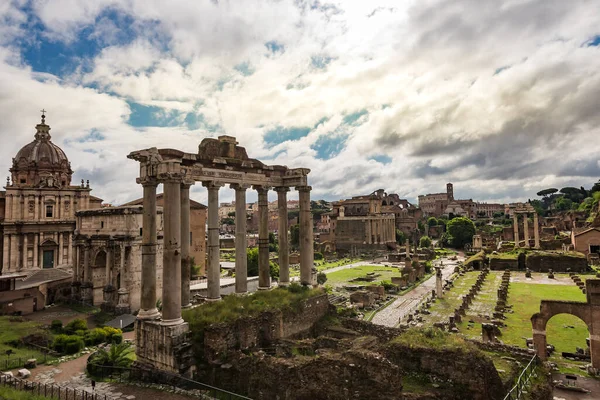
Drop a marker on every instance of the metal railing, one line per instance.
(49, 390)
(19, 362)
(523, 380)
(121, 375)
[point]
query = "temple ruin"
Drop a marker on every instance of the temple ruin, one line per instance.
(161, 340)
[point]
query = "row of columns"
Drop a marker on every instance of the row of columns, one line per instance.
(16, 246)
(176, 284)
(380, 230)
(536, 227)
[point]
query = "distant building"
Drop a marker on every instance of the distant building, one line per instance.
(444, 204)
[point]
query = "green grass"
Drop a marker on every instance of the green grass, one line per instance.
(12, 329)
(324, 265)
(13, 394)
(504, 256)
(444, 307)
(433, 338)
(343, 277)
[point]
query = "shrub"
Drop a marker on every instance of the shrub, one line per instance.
(318, 256)
(274, 270)
(112, 334)
(77, 324)
(425, 242)
(56, 326)
(67, 344)
(119, 355)
(95, 336)
(321, 278)
(387, 285)
(428, 267)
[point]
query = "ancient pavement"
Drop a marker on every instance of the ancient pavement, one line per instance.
(404, 305)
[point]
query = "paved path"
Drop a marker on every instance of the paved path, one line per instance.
(342, 267)
(404, 305)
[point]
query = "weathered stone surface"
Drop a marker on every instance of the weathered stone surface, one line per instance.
(363, 297)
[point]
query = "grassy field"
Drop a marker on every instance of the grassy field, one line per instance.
(343, 277)
(10, 393)
(323, 265)
(444, 307)
(11, 330)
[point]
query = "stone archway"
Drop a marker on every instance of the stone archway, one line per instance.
(588, 312)
(99, 275)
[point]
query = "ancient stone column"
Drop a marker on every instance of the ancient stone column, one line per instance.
(148, 308)
(61, 248)
(25, 251)
(171, 291)
(407, 244)
(121, 282)
(282, 233)
(213, 269)
(264, 273)
(539, 344)
(241, 244)
(6, 253)
(87, 270)
(516, 228)
(536, 231)
(14, 251)
(186, 267)
(109, 262)
(306, 236)
(368, 230)
(69, 247)
(526, 229)
(438, 282)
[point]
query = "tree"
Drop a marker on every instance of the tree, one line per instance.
(120, 355)
(574, 194)
(295, 236)
(231, 214)
(273, 243)
(228, 221)
(252, 260)
(425, 242)
(546, 192)
(499, 214)
(563, 204)
(432, 221)
(321, 278)
(460, 231)
(400, 237)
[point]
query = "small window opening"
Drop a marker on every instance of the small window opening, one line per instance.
(23, 180)
(49, 211)
(141, 231)
(101, 224)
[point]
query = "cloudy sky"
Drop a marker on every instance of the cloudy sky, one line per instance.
(499, 97)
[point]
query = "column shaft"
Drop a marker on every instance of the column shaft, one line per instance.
(368, 230)
(76, 265)
(171, 291)
(526, 229)
(241, 244)
(282, 233)
(109, 263)
(122, 267)
(536, 230)
(25, 251)
(213, 270)
(36, 244)
(5, 253)
(69, 247)
(14, 252)
(516, 228)
(148, 288)
(61, 248)
(264, 273)
(306, 236)
(87, 269)
(186, 267)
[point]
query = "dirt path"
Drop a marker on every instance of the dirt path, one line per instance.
(405, 304)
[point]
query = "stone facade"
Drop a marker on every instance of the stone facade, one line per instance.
(586, 241)
(444, 204)
(37, 210)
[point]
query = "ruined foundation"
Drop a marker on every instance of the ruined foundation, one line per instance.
(165, 347)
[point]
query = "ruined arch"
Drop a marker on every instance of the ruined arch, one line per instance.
(551, 308)
(100, 259)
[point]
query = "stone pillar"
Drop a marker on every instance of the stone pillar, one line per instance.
(438, 282)
(241, 257)
(539, 344)
(186, 267)
(148, 287)
(36, 207)
(536, 231)
(282, 233)
(109, 263)
(6, 253)
(407, 250)
(264, 273)
(368, 231)
(69, 247)
(14, 253)
(213, 269)
(306, 236)
(171, 291)
(36, 244)
(76, 265)
(123, 306)
(61, 248)
(516, 228)
(526, 229)
(87, 270)
(24, 252)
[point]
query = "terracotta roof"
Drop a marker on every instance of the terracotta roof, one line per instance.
(586, 231)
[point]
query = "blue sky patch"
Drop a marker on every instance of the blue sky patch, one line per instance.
(275, 47)
(94, 136)
(195, 121)
(280, 134)
(595, 41)
(328, 146)
(382, 158)
(320, 61)
(321, 121)
(351, 119)
(244, 68)
(144, 116)
(499, 70)
(60, 58)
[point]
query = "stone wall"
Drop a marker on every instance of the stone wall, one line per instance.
(258, 332)
(500, 264)
(471, 373)
(539, 262)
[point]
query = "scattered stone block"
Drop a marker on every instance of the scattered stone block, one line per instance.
(31, 363)
(23, 373)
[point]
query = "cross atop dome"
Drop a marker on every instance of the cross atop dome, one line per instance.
(43, 115)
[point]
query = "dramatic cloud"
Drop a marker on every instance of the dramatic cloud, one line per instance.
(499, 97)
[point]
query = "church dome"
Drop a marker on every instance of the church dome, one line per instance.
(41, 162)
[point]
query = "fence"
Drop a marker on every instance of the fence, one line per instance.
(50, 390)
(18, 362)
(120, 374)
(523, 380)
